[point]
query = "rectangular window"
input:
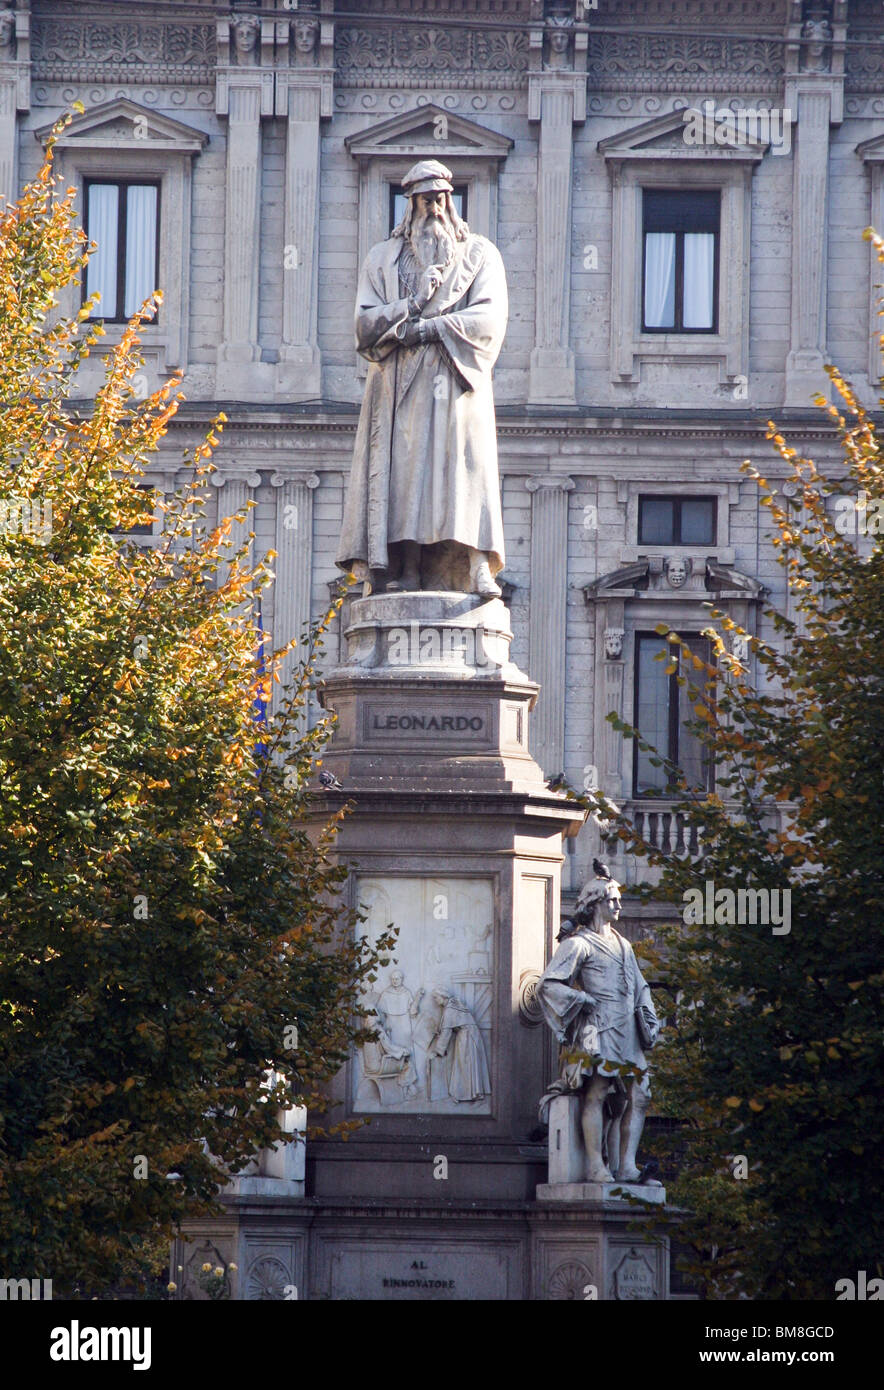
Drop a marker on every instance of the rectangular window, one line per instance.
(677, 520)
(662, 711)
(680, 261)
(142, 528)
(398, 201)
(122, 218)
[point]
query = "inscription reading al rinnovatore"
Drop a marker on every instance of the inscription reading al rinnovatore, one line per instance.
(418, 1283)
(440, 723)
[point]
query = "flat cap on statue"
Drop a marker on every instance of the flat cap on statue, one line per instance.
(427, 176)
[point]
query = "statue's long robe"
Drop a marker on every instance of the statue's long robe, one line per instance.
(460, 1041)
(425, 460)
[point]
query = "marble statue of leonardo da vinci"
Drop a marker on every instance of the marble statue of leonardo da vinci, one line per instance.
(423, 504)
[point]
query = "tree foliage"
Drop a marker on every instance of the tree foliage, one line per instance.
(165, 913)
(771, 1060)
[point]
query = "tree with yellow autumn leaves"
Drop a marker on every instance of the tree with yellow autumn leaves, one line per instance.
(170, 935)
(770, 1067)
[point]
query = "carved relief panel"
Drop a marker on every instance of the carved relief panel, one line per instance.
(433, 1003)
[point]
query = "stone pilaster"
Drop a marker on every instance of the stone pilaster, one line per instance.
(804, 365)
(815, 101)
(235, 491)
(15, 93)
(244, 93)
(556, 98)
(303, 97)
(549, 596)
(294, 565)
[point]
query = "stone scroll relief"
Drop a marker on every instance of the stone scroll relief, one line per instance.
(432, 1005)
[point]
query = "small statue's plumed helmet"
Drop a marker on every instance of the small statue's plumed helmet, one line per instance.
(427, 176)
(594, 890)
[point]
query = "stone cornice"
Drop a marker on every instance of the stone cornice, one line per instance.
(616, 424)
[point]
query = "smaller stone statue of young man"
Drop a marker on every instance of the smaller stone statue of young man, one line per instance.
(598, 1004)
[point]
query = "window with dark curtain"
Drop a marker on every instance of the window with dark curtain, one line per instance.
(680, 261)
(662, 712)
(676, 520)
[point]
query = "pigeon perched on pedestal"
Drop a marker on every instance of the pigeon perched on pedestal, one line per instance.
(600, 870)
(329, 780)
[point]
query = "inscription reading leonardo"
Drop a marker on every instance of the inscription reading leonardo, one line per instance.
(442, 723)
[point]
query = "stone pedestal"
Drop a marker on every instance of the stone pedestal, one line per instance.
(604, 1192)
(567, 1164)
(590, 1250)
(455, 838)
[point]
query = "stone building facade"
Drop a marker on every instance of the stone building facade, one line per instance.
(275, 138)
(678, 189)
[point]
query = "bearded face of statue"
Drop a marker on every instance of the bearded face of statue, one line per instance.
(432, 231)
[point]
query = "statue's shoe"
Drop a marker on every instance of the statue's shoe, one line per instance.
(629, 1175)
(408, 581)
(602, 1176)
(484, 583)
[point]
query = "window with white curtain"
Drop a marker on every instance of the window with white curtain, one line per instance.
(663, 712)
(680, 261)
(122, 218)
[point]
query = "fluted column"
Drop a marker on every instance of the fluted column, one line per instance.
(814, 99)
(548, 615)
(242, 227)
(556, 98)
(294, 565)
(244, 93)
(8, 179)
(804, 365)
(15, 92)
(235, 491)
(304, 95)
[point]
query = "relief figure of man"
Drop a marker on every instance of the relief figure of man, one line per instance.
(423, 503)
(396, 1009)
(459, 1040)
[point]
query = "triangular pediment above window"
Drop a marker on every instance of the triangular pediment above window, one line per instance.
(428, 130)
(696, 133)
(123, 124)
(872, 150)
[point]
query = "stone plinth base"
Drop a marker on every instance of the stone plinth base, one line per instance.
(600, 1192)
(567, 1163)
(415, 1251)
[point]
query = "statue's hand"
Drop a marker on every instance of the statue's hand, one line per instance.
(590, 1000)
(409, 333)
(429, 283)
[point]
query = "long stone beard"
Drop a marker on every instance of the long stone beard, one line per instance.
(433, 241)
